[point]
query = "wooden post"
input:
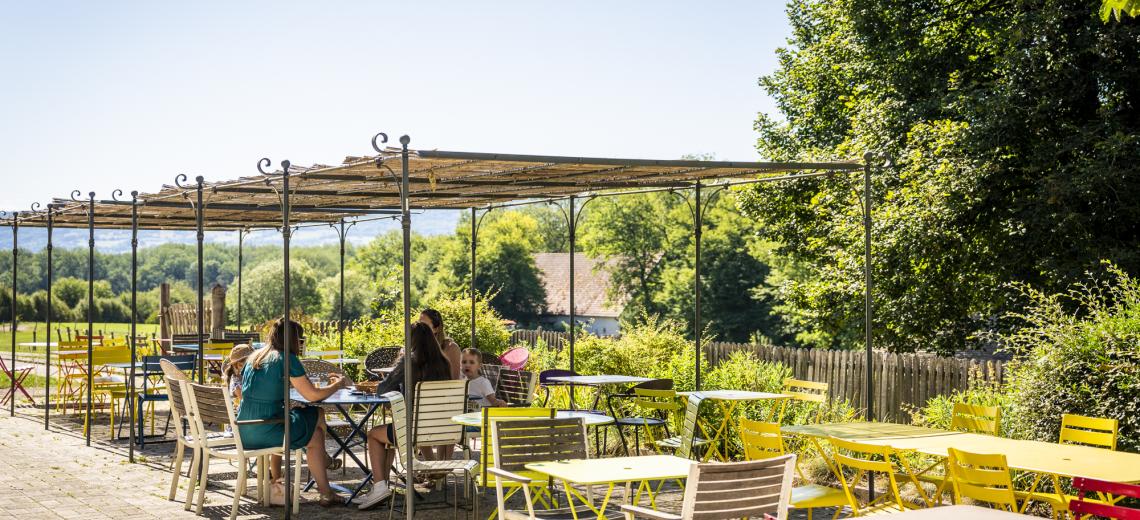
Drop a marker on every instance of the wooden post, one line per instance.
(164, 311)
(217, 311)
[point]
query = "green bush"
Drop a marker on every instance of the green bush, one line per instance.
(937, 412)
(1086, 363)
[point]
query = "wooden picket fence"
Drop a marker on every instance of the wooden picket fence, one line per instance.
(901, 381)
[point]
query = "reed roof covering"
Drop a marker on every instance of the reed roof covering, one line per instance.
(437, 180)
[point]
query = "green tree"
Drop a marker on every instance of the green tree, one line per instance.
(630, 234)
(1014, 133)
(262, 298)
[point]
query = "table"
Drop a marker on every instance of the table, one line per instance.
(1042, 458)
(959, 512)
(342, 400)
(612, 471)
(727, 400)
(598, 381)
(382, 371)
(475, 419)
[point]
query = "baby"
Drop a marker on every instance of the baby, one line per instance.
(477, 385)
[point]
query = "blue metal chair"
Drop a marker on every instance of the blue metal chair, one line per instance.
(151, 368)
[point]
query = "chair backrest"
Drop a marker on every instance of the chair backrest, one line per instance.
(320, 367)
(210, 410)
(981, 477)
(238, 338)
(662, 402)
(115, 342)
(689, 425)
(761, 440)
(753, 489)
(861, 458)
(521, 442)
(1100, 432)
(222, 348)
(975, 418)
(152, 365)
(515, 358)
(102, 356)
(486, 454)
(176, 392)
(186, 339)
(174, 368)
(516, 387)
(805, 391)
(488, 358)
(382, 357)
(399, 411)
(436, 403)
(491, 372)
(1078, 506)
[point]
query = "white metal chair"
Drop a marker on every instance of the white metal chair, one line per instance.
(183, 439)
(717, 491)
(210, 406)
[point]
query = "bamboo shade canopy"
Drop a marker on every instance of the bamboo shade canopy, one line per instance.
(368, 185)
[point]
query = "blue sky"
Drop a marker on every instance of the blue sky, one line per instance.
(127, 95)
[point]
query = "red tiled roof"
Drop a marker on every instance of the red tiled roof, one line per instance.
(590, 285)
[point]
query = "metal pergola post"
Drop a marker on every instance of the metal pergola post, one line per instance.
(15, 310)
(241, 243)
(131, 397)
(47, 354)
(573, 231)
(340, 307)
(697, 282)
(201, 235)
(474, 230)
(406, 225)
(90, 308)
(286, 232)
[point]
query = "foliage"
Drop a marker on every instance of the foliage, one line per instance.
(630, 233)
(1119, 9)
(1086, 363)
(938, 411)
(262, 298)
(1013, 138)
(357, 296)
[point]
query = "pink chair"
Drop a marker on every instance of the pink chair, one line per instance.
(515, 358)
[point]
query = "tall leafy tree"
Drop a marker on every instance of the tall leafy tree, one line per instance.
(1014, 133)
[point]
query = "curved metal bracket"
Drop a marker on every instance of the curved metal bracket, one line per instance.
(685, 198)
(383, 137)
(116, 194)
(75, 195)
(179, 179)
(263, 163)
(36, 207)
(709, 198)
(578, 213)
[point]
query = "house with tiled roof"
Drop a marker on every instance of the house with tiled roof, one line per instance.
(594, 311)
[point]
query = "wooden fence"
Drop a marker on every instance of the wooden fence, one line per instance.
(902, 381)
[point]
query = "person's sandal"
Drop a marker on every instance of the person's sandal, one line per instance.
(335, 464)
(331, 499)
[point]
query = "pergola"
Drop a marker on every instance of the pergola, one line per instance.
(391, 184)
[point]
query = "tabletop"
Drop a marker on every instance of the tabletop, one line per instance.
(475, 419)
(600, 379)
(1050, 458)
(734, 395)
(959, 512)
(343, 396)
(36, 344)
(384, 370)
(615, 469)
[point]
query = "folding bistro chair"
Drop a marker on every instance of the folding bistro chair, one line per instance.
(716, 491)
(1082, 506)
(763, 440)
(16, 379)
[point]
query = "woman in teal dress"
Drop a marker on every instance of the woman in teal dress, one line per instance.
(263, 397)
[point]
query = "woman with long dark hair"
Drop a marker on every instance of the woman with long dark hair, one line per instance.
(262, 393)
(448, 346)
(427, 364)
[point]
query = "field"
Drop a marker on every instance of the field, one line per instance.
(35, 331)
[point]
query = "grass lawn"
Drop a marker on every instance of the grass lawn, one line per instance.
(36, 331)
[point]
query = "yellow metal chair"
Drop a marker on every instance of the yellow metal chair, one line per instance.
(762, 440)
(660, 405)
(982, 478)
(103, 384)
(114, 342)
(808, 392)
(860, 460)
(973, 418)
(486, 480)
(1098, 432)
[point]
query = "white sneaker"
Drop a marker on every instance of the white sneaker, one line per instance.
(379, 492)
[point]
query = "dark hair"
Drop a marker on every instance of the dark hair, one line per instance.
(277, 341)
(428, 362)
(437, 324)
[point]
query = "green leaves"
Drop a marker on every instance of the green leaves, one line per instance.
(1118, 9)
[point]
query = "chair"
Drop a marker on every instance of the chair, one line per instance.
(808, 392)
(763, 440)
(16, 379)
(974, 418)
(491, 372)
(152, 366)
(434, 401)
(382, 357)
(210, 406)
(860, 458)
(486, 479)
(545, 383)
(515, 358)
(1081, 506)
(175, 386)
(716, 491)
(239, 338)
(982, 478)
(684, 443)
(103, 384)
(516, 387)
(518, 443)
(657, 399)
(322, 368)
(1099, 432)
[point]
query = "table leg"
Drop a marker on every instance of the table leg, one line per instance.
(343, 447)
(600, 510)
(718, 436)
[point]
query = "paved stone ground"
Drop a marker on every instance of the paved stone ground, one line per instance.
(53, 474)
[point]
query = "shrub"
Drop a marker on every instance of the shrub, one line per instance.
(1086, 363)
(937, 412)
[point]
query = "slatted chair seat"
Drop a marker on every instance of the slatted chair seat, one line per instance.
(715, 491)
(684, 443)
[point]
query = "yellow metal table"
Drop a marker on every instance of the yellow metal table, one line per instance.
(613, 471)
(728, 400)
(1041, 458)
(959, 512)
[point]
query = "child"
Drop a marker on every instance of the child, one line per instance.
(231, 371)
(477, 385)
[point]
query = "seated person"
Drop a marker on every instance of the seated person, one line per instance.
(478, 385)
(427, 364)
